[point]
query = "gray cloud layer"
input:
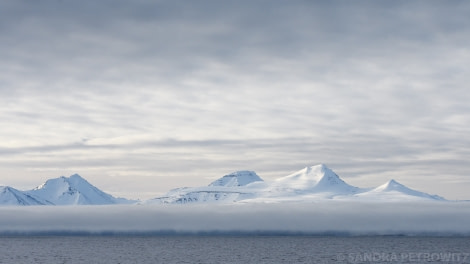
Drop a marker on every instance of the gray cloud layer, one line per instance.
(164, 92)
(316, 218)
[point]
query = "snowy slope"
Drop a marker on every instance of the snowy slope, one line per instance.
(238, 178)
(314, 179)
(12, 196)
(233, 187)
(307, 185)
(73, 190)
(310, 184)
(392, 190)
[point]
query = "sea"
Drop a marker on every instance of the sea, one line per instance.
(233, 249)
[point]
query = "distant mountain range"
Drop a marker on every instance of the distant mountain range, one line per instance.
(73, 190)
(306, 185)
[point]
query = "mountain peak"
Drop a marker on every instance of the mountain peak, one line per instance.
(77, 181)
(72, 190)
(317, 168)
(12, 196)
(237, 178)
(321, 166)
(75, 176)
(392, 185)
(318, 178)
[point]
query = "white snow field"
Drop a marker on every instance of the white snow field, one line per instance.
(311, 184)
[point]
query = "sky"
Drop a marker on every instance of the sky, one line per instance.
(140, 97)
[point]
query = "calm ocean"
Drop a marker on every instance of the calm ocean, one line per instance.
(233, 249)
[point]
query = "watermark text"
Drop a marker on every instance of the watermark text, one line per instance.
(447, 257)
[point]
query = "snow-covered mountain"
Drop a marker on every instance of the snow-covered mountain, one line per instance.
(233, 187)
(238, 178)
(309, 184)
(392, 190)
(318, 181)
(12, 196)
(73, 190)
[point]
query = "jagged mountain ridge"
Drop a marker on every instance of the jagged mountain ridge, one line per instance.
(307, 185)
(232, 187)
(12, 196)
(73, 190)
(238, 178)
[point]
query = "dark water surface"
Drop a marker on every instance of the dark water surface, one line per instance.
(233, 249)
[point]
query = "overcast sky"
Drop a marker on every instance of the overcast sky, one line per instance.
(139, 97)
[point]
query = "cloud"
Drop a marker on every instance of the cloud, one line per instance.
(428, 218)
(196, 90)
